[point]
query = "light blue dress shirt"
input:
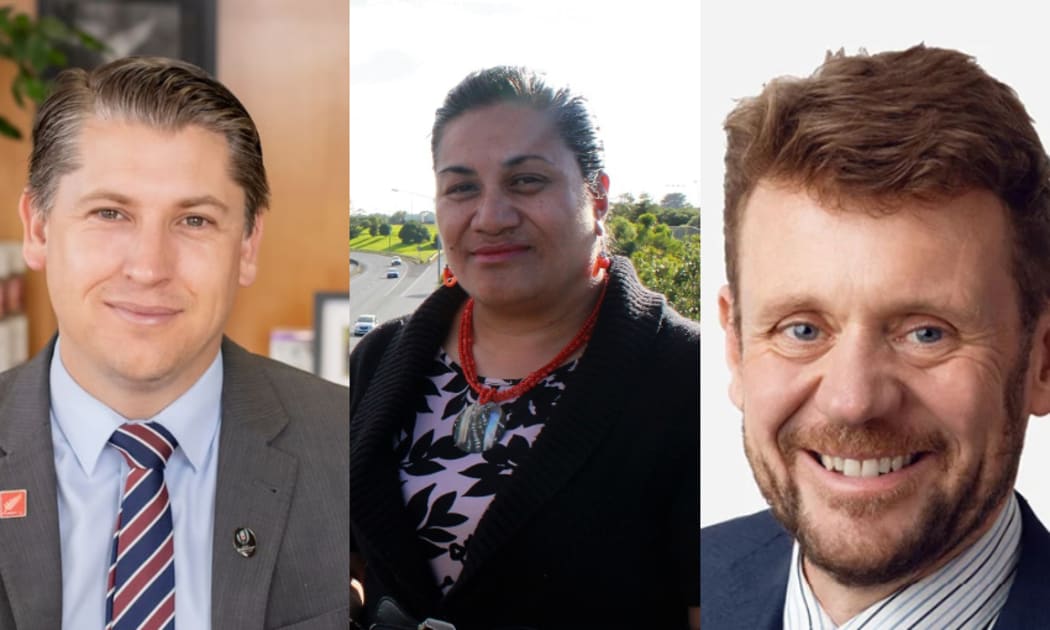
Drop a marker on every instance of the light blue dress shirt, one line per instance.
(91, 479)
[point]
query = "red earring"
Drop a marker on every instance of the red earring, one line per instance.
(447, 278)
(600, 263)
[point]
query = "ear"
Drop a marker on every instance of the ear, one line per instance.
(600, 192)
(250, 252)
(730, 327)
(1039, 368)
(34, 233)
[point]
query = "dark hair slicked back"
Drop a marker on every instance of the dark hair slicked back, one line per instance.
(510, 84)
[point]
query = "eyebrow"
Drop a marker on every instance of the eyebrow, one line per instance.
(106, 195)
(189, 202)
(795, 303)
(203, 200)
(518, 159)
(508, 163)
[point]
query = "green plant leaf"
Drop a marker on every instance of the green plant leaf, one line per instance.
(9, 130)
(18, 89)
(91, 43)
(53, 29)
(36, 89)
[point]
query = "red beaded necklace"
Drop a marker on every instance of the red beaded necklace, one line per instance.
(491, 394)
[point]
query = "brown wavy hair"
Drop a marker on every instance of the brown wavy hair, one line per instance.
(923, 124)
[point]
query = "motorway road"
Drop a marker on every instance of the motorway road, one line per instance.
(372, 292)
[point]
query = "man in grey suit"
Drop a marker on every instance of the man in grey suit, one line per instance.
(143, 207)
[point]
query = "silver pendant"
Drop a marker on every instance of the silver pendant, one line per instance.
(478, 427)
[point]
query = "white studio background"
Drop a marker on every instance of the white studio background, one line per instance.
(745, 44)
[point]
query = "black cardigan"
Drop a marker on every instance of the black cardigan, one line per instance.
(599, 527)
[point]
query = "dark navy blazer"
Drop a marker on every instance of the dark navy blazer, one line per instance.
(744, 572)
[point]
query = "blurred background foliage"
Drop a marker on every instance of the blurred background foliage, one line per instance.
(38, 49)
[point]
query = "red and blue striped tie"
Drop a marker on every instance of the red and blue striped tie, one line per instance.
(141, 592)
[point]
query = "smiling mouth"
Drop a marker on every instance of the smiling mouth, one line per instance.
(496, 250)
(873, 467)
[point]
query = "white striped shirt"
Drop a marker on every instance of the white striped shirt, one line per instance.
(966, 593)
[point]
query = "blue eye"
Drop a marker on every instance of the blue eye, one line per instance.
(803, 331)
(927, 334)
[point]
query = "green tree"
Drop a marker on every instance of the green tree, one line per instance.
(623, 235)
(677, 276)
(357, 225)
(682, 216)
(646, 220)
(413, 232)
(674, 201)
(645, 204)
(399, 217)
(384, 229)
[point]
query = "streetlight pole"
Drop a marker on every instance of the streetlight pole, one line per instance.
(411, 202)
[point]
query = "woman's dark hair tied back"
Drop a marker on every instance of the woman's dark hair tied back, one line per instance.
(513, 84)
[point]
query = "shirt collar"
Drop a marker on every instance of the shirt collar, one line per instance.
(968, 591)
(87, 423)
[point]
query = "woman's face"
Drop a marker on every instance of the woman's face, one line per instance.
(519, 226)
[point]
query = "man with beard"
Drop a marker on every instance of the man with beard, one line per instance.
(887, 321)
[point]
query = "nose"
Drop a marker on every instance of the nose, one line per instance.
(149, 254)
(857, 383)
(495, 212)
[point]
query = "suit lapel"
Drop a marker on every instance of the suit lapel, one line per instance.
(254, 485)
(760, 584)
(1026, 606)
(624, 334)
(31, 565)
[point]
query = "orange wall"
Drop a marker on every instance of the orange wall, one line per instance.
(289, 67)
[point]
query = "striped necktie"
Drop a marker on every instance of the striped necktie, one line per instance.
(141, 591)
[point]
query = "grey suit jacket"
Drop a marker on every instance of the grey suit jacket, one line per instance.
(282, 471)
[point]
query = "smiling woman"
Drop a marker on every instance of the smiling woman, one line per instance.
(508, 421)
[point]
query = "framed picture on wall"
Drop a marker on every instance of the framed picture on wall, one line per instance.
(182, 29)
(332, 336)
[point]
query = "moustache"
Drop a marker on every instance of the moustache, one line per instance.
(870, 440)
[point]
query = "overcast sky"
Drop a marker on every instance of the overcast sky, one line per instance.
(637, 63)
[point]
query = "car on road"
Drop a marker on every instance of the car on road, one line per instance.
(395, 261)
(364, 324)
(393, 273)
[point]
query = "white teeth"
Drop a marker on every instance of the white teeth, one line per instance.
(865, 468)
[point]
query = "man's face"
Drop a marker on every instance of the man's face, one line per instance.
(143, 250)
(888, 347)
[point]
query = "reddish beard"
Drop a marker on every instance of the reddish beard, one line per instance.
(951, 513)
